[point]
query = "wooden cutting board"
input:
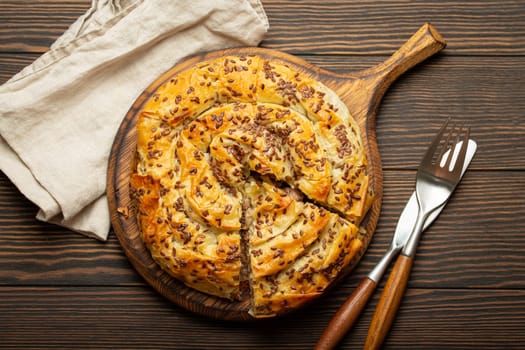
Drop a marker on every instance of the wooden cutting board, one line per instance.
(360, 91)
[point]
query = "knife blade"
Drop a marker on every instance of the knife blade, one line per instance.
(349, 312)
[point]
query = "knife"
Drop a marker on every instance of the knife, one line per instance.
(349, 312)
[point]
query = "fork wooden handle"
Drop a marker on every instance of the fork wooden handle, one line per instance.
(389, 302)
(346, 316)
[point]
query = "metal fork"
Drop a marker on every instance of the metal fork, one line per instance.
(436, 179)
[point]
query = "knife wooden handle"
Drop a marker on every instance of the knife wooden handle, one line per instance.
(389, 302)
(346, 316)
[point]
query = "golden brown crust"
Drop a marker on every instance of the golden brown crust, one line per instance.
(247, 146)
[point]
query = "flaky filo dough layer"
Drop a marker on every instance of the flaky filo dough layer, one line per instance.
(245, 156)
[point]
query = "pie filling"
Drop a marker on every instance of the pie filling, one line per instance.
(251, 182)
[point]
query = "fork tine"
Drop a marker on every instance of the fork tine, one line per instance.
(427, 159)
(458, 166)
(445, 146)
(454, 145)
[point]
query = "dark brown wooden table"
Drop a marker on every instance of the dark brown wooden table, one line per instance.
(467, 290)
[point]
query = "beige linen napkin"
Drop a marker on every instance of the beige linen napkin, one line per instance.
(59, 116)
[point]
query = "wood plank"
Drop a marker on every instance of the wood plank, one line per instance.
(32, 26)
(34, 252)
(491, 101)
(135, 317)
(484, 27)
(371, 27)
(10, 64)
(441, 319)
(450, 254)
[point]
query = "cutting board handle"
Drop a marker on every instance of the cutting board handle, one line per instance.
(423, 44)
(368, 86)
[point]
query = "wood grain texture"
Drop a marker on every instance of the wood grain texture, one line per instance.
(32, 26)
(136, 318)
(466, 290)
(10, 64)
(377, 27)
(444, 319)
(483, 27)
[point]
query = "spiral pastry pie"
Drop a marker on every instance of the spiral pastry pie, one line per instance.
(251, 181)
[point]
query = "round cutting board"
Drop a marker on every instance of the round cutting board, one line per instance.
(360, 91)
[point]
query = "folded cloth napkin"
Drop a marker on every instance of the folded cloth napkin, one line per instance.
(59, 116)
